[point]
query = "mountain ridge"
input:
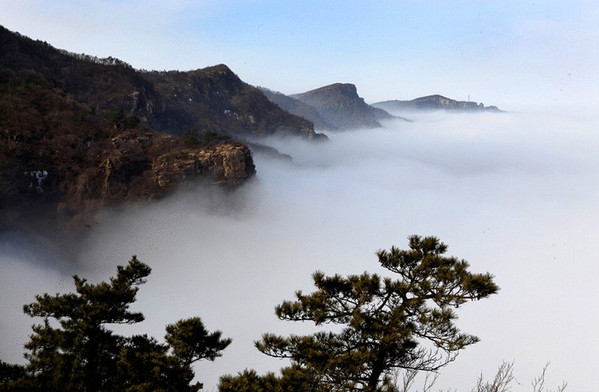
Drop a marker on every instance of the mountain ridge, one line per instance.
(333, 107)
(340, 104)
(171, 101)
(435, 102)
(75, 137)
(299, 108)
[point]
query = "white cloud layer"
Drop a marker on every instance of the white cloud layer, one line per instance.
(512, 193)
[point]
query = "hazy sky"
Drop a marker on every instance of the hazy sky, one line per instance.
(506, 53)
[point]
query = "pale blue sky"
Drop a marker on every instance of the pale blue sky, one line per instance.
(508, 53)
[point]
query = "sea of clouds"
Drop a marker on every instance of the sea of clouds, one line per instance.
(515, 194)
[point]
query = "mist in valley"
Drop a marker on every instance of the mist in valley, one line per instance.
(515, 194)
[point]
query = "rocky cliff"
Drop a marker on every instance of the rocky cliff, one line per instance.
(434, 102)
(215, 99)
(340, 105)
(299, 108)
(76, 136)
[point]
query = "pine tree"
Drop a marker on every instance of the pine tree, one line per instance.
(73, 350)
(386, 324)
(81, 354)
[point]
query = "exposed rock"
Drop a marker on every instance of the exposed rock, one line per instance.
(64, 158)
(340, 105)
(125, 166)
(223, 163)
(214, 98)
(299, 108)
(435, 102)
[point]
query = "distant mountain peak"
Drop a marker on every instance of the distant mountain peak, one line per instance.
(435, 102)
(298, 108)
(218, 69)
(348, 89)
(340, 104)
(334, 91)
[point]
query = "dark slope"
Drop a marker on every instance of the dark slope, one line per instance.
(213, 98)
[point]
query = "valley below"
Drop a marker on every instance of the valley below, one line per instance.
(512, 193)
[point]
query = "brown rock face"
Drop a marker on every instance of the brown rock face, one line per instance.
(134, 166)
(145, 166)
(227, 164)
(64, 160)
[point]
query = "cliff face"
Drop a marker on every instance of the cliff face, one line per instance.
(140, 165)
(340, 105)
(69, 147)
(59, 153)
(435, 102)
(299, 108)
(215, 99)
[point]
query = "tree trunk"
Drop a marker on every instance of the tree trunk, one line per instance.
(92, 383)
(375, 375)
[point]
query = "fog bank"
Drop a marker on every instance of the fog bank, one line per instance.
(515, 194)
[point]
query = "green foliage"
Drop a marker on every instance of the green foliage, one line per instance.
(191, 341)
(292, 379)
(131, 122)
(387, 324)
(73, 350)
(190, 137)
(10, 374)
(250, 381)
(120, 121)
(210, 137)
(207, 138)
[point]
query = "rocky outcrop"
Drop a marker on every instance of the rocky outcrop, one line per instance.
(65, 160)
(340, 105)
(215, 99)
(112, 168)
(141, 165)
(227, 163)
(434, 102)
(299, 108)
